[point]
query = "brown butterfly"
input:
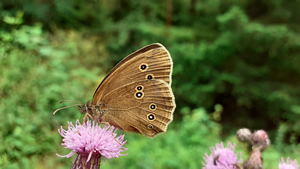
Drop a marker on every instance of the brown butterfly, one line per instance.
(136, 95)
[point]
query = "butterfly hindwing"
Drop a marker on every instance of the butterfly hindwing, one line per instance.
(147, 111)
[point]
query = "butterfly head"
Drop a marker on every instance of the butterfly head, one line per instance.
(92, 111)
(85, 108)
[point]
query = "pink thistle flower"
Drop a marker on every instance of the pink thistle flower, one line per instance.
(289, 164)
(90, 141)
(222, 158)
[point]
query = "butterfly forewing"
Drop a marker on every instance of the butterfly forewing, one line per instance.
(150, 62)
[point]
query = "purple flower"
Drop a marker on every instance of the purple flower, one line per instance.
(289, 164)
(90, 141)
(221, 157)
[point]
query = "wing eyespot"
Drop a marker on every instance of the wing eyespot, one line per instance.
(150, 126)
(139, 95)
(152, 106)
(139, 88)
(149, 76)
(143, 67)
(151, 117)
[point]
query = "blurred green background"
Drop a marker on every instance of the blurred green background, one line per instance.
(236, 64)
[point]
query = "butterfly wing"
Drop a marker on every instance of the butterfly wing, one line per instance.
(144, 107)
(152, 61)
(147, 71)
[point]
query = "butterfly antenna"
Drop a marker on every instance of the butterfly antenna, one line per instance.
(66, 108)
(69, 101)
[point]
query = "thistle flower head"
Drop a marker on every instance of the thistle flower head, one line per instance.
(222, 157)
(288, 164)
(90, 141)
(260, 139)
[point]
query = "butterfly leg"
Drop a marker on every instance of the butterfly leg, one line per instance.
(87, 115)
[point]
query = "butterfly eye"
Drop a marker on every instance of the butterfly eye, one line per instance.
(152, 106)
(149, 76)
(150, 126)
(143, 67)
(139, 95)
(151, 117)
(139, 88)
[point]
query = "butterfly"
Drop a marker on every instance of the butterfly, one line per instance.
(136, 95)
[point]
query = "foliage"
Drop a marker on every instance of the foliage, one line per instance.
(33, 79)
(235, 65)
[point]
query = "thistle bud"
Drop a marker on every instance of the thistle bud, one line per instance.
(244, 135)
